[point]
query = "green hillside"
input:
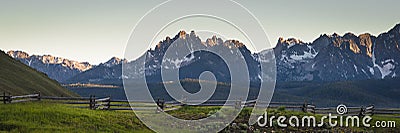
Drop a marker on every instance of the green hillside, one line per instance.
(17, 78)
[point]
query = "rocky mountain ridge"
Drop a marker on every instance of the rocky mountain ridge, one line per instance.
(327, 58)
(56, 68)
(335, 57)
(59, 68)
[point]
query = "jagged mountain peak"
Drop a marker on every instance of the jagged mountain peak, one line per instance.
(214, 40)
(290, 41)
(183, 35)
(114, 61)
(230, 43)
(233, 44)
(335, 35)
(18, 54)
(190, 41)
(349, 35)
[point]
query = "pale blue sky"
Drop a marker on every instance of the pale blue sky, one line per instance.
(96, 30)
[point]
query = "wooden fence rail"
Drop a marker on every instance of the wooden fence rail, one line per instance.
(65, 98)
(23, 98)
(107, 103)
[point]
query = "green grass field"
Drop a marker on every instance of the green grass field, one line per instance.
(242, 120)
(53, 117)
(45, 116)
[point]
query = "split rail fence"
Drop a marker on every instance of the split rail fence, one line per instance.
(107, 103)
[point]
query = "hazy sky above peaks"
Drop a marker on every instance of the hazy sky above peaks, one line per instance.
(96, 30)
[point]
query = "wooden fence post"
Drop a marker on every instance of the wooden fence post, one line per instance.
(9, 98)
(109, 103)
(158, 102)
(162, 104)
(304, 108)
(94, 102)
(39, 96)
(4, 98)
(362, 112)
(90, 102)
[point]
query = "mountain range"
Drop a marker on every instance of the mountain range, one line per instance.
(327, 58)
(59, 68)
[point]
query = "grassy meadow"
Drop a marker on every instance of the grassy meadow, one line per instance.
(47, 116)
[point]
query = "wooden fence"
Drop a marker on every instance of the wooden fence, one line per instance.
(360, 111)
(107, 103)
(24, 98)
